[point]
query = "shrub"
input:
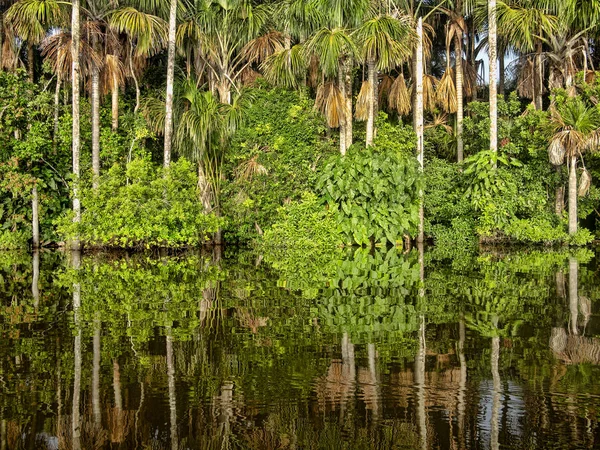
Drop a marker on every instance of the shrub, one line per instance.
(143, 207)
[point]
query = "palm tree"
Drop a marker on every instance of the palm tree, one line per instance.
(170, 83)
(384, 43)
(30, 19)
(576, 130)
(492, 39)
(333, 47)
(418, 121)
(75, 77)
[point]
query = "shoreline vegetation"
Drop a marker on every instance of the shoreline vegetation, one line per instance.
(298, 127)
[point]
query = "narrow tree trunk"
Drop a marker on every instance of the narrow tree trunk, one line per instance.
(344, 120)
(135, 81)
(502, 72)
(418, 113)
(35, 279)
(172, 393)
(35, 218)
(492, 35)
(472, 59)
(96, 407)
(462, 382)
(496, 395)
(30, 61)
(348, 81)
(75, 41)
(115, 103)
(76, 412)
(419, 382)
(170, 83)
(372, 73)
(1, 41)
(573, 196)
(574, 294)
(459, 97)
(56, 108)
(95, 128)
(538, 77)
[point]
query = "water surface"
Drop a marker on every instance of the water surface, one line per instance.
(371, 350)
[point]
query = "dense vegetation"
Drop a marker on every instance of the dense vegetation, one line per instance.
(308, 123)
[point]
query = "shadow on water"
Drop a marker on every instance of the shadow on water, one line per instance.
(362, 350)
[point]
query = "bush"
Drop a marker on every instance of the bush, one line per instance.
(143, 207)
(375, 193)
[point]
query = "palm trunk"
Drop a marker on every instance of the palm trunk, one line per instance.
(496, 394)
(35, 219)
(348, 82)
(30, 61)
(573, 196)
(502, 72)
(35, 279)
(1, 40)
(574, 294)
(135, 81)
(492, 38)
(371, 70)
(115, 103)
(172, 393)
(419, 382)
(56, 107)
(76, 412)
(459, 98)
(538, 83)
(96, 407)
(75, 41)
(559, 200)
(95, 128)
(418, 113)
(462, 383)
(170, 83)
(344, 120)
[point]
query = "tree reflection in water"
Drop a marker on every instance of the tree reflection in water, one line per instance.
(391, 351)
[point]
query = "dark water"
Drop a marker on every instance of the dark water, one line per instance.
(245, 351)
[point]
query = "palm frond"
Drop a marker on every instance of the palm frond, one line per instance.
(362, 102)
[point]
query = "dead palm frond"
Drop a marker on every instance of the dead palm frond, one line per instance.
(259, 49)
(446, 92)
(399, 98)
(57, 49)
(585, 181)
(248, 76)
(362, 102)
(525, 84)
(331, 103)
(470, 77)
(385, 85)
(249, 169)
(439, 120)
(556, 152)
(429, 95)
(113, 75)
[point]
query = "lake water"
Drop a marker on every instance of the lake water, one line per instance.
(361, 350)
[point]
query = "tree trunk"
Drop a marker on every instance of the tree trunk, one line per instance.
(574, 294)
(459, 97)
(170, 83)
(96, 407)
(462, 382)
(75, 41)
(56, 108)
(224, 89)
(35, 218)
(419, 382)
(496, 394)
(573, 196)
(115, 103)
(172, 392)
(76, 412)
(348, 81)
(1, 41)
(372, 73)
(35, 279)
(30, 61)
(502, 72)
(95, 128)
(538, 83)
(492, 37)
(135, 81)
(344, 120)
(418, 113)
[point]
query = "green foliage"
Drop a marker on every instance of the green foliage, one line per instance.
(143, 207)
(272, 159)
(303, 231)
(375, 192)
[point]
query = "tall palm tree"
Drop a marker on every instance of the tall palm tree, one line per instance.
(170, 83)
(576, 130)
(418, 121)
(493, 83)
(75, 78)
(384, 43)
(30, 20)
